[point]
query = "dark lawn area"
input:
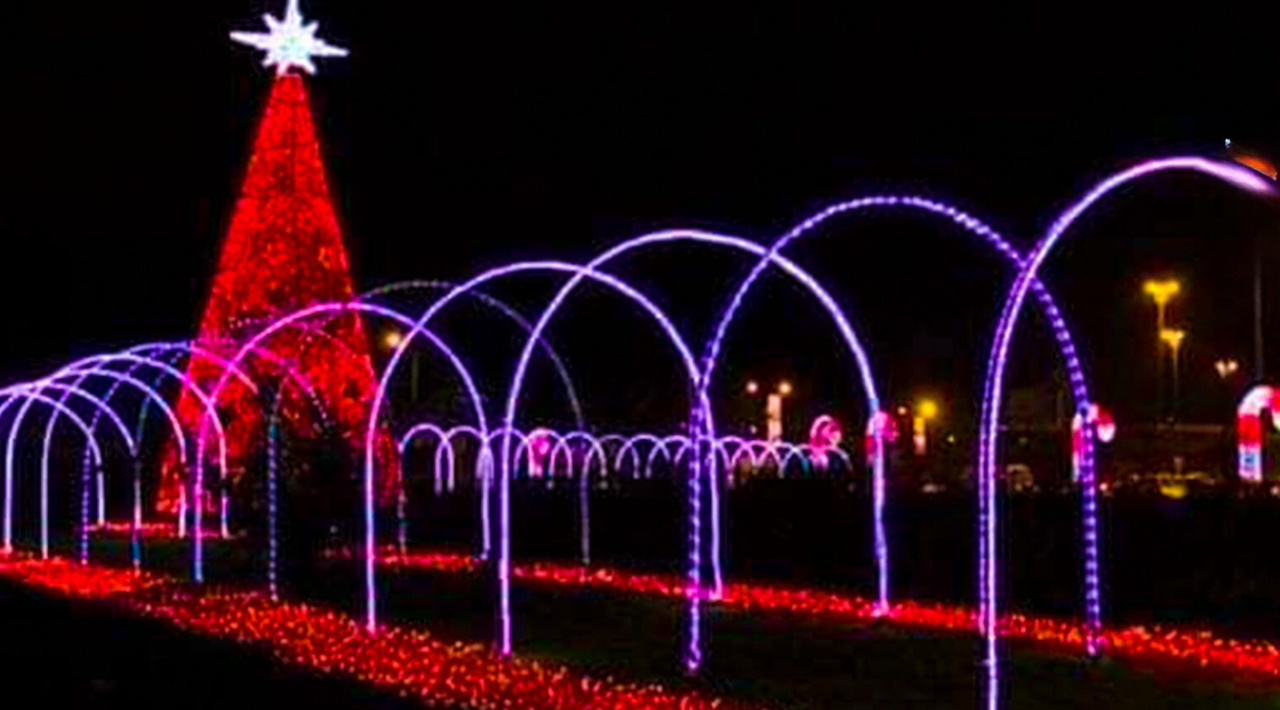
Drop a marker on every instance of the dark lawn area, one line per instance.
(56, 653)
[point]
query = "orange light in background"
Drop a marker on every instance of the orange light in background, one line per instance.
(1252, 161)
(773, 418)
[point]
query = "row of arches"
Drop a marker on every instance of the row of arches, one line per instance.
(702, 446)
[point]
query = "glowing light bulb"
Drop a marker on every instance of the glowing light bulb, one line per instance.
(928, 409)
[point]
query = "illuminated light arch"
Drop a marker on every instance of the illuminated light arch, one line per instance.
(875, 447)
(993, 392)
(96, 367)
(791, 453)
(617, 440)
(291, 373)
(192, 350)
(26, 393)
(87, 370)
(74, 390)
(189, 386)
(313, 331)
(743, 453)
(682, 444)
(762, 450)
(513, 399)
(721, 448)
(135, 532)
(632, 446)
(664, 451)
(284, 322)
(741, 447)
(294, 376)
(571, 392)
(468, 430)
(1249, 434)
(11, 443)
(596, 451)
(504, 562)
(442, 453)
(702, 428)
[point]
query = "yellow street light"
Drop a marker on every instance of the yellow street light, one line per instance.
(1226, 368)
(753, 387)
(1173, 337)
(784, 388)
(1161, 292)
(928, 409)
(392, 339)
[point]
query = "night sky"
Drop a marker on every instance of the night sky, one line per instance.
(461, 136)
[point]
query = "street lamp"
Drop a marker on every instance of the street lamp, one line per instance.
(926, 411)
(1161, 292)
(394, 339)
(1226, 368)
(1173, 337)
(773, 411)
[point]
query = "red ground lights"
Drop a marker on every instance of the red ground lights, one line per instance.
(414, 663)
(405, 661)
(283, 252)
(153, 530)
(1180, 650)
(69, 579)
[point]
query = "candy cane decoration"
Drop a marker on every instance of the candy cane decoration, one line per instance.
(824, 435)
(1249, 429)
(1104, 431)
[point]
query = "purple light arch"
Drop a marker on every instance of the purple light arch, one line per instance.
(25, 392)
(571, 392)
(701, 428)
(132, 356)
(98, 370)
(253, 344)
(993, 392)
(974, 226)
(596, 451)
(96, 367)
(100, 406)
(504, 614)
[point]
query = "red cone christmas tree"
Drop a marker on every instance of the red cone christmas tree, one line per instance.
(283, 253)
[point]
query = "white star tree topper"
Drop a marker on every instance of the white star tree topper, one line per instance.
(289, 42)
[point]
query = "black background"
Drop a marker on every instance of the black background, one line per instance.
(461, 136)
